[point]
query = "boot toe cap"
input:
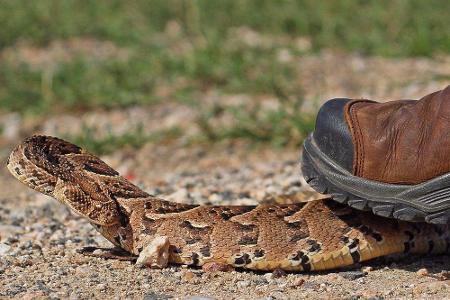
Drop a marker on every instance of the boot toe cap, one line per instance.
(332, 133)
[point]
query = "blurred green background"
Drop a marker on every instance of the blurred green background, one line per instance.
(77, 56)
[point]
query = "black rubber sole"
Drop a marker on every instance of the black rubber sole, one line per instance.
(428, 202)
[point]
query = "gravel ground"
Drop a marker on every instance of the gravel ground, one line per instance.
(39, 238)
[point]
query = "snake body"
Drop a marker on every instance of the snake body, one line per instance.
(317, 235)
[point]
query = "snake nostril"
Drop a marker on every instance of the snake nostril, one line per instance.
(18, 171)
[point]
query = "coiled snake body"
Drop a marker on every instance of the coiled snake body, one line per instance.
(317, 235)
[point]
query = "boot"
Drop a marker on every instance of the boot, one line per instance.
(392, 158)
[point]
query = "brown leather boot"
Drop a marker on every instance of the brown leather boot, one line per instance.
(392, 158)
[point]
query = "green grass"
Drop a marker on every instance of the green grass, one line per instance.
(74, 86)
(397, 27)
(203, 54)
(278, 127)
(112, 142)
(393, 28)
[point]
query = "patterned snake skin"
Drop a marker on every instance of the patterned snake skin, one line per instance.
(317, 235)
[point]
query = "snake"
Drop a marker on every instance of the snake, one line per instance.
(299, 237)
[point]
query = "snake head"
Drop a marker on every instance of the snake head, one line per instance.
(66, 172)
(35, 162)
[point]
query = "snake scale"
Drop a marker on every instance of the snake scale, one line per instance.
(317, 235)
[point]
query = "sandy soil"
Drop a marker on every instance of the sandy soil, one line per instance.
(40, 239)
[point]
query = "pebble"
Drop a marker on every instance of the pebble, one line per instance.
(422, 272)
(367, 269)
(444, 275)
(298, 282)
(278, 273)
(268, 277)
(352, 275)
(82, 271)
(61, 271)
(215, 198)
(311, 285)
(188, 276)
(282, 285)
(156, 296)
(199, 298)
(260, 281)
(24, 261)
(4, 249)
(97, 252)
(243, 283)
(26, 245)
(155, 254)
(178, 196)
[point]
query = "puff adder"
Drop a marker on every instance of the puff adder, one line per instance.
(317, 235)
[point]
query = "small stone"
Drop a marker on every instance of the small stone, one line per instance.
(199, 298)
(27, 245)
(367, 269)
(278, 273)
(74, 296)
(40, 284)
(227, 195)
(188, 276)
(24, 261)
(214, 198)
(243, 283)
(82, 271)
(61, 272)
(272, 190)
(443, 275)
(376, 297)
(178, 196)
(97, 252)
(268, 277)
(260, 281)
(156, 254)
(352, 275)
(422, 272)
(155, 296)
(298, 282)
(311, 285)
(4, 249)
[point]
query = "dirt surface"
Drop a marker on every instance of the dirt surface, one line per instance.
(39, 237)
